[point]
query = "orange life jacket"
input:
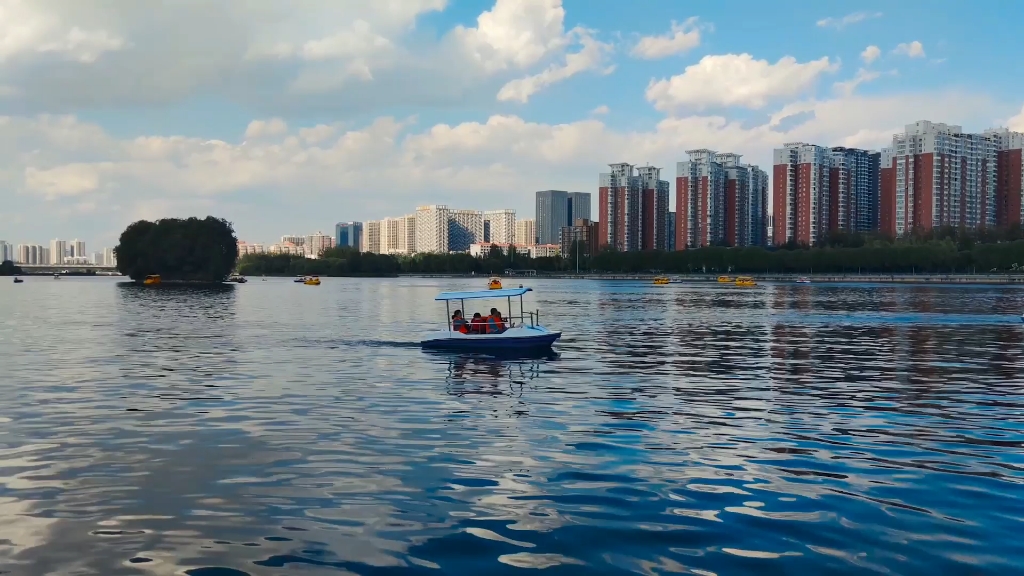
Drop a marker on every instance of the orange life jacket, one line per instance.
(460, 325)
(478, 326)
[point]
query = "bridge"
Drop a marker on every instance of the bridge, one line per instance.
(66, 268)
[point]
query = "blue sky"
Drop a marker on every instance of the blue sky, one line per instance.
(115, 112)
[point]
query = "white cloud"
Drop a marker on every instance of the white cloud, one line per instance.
(261, 128)
(848, 87)
(682, 37)
(843, 22)
(485, 164)
(914, 49)
(592, 56)
(736, 80)
(600, 110)
(870, 54)
(351, 57)
(1017, 122)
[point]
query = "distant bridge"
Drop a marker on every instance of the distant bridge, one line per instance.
(70, 268)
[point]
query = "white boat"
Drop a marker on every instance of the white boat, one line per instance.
(803, 280)
(523, 332)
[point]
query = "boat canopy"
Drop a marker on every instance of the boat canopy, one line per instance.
(505, 293)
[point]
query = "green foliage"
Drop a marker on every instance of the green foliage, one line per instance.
(7, 268)
(191, 250)
(947, 250)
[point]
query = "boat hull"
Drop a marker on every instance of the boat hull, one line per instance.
(519, 338)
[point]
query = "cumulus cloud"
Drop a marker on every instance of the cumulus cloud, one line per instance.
(870, 54)
(351, 57)
(681, 38)
(592, 56)
(482, 164)
(260, 128)
(1017, 122)
(844, 21)
(600, 110)
(736, 80)
(913, 49)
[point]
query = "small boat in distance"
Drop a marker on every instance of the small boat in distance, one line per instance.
(745, 281)
(18, 280)
(152, 280)
(238, 278)
(803, 280)
(660, 280)
(300, 279)
(522, 332)
(56, 276)
(312, 281)
(726, 279)
(494, 284)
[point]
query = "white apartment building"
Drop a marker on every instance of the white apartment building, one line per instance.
(76, 249)
(479, 249)
(432, 229)
(371, 241)
(526, 232)
(317, 243)
(108, 257)
(500, 226)
(286, 248)
(398, 235)
(6, 251)
(293, 239)
(58, 249)
(464, 228)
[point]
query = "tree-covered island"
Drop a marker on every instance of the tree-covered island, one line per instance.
(189, 250)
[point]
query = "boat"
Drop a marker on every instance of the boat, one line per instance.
(312, 281)
(524, 331)
(803, 280)
(18, 280)
(238, 278)
(151, 280)
(494, 284)
(659, 280)
(300, 279)
(745, 281)
(56, 276)
(726, 279)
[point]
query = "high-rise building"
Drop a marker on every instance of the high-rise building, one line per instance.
(670, 225)
(800, 189)
(398, 235)
(581, 237)
(700, 200)
(76, 249)
(348, 234)
(526, 232)
(432, 229)
(371, 240)
(316, 243)
(97, 258)
(557, 209)
(296, 240)
(6, 251)
(939, 176)
(1009, 177)
(551, 214)
(500, 226)
(465, 227)
(108, 257)
(654, 193)
(759, 219)
(619, 208)
(744, 200)
(853, 190)
(58, 251)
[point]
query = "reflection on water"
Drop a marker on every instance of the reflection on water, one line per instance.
(270, 428)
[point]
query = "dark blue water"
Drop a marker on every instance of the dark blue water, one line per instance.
(274, 428)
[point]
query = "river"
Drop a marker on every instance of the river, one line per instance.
(272, 428)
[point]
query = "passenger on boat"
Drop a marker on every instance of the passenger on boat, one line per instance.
(477, 325)
(459, 323)
(495, 323)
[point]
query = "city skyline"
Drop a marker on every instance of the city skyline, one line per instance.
(472, 103)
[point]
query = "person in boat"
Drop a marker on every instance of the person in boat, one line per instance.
(477, 325)
(459, 323)
(495, 323)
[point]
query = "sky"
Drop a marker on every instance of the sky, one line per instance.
(286, 116)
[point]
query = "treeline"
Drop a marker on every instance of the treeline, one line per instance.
(8, 268)
(942, 251)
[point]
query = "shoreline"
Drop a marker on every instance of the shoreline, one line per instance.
(782, 278)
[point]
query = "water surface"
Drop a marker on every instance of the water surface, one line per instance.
(274, 428)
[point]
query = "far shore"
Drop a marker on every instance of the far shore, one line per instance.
(786, 278)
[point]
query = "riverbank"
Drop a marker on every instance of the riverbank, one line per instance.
(782, 278)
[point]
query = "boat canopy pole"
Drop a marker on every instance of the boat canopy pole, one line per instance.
(448, 310)
(510, 309)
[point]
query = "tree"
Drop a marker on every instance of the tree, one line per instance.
(7, 268)
(187, 250)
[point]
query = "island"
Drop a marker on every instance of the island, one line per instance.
(190, 250)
